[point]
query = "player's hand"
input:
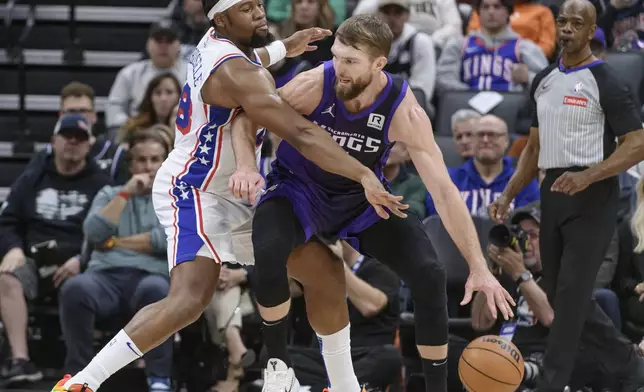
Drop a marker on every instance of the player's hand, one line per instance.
(66, 271)
(246, 184)
(482, 280)
(380, 199)
(571, 183)
(298, 43)
(13, 260)
(139, 184)
(498, 210)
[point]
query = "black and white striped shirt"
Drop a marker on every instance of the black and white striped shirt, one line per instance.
(580, 113)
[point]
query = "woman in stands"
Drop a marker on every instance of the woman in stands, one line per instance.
(161, 96)
(307, 14)
(156, 110)
(630, 269)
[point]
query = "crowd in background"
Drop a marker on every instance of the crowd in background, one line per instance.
(62, 233)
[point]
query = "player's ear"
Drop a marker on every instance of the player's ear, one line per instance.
(219, 20)
(380, 62)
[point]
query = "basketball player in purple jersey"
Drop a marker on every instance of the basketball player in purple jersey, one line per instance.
(366, 111)
(190, 191)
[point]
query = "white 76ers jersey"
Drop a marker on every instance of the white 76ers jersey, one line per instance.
(203, 156)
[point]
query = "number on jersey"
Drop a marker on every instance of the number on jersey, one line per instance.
(184, 112)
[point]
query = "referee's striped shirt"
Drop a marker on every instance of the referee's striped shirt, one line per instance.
(580, 113)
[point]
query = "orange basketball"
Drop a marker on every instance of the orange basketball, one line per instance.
(491, 364)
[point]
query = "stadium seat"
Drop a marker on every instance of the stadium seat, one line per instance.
(631, 66)
(452, 101)
(448, 148)
(420, 97)
(455, 265)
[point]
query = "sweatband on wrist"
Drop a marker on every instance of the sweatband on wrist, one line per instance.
(123, 195)
(276, 52)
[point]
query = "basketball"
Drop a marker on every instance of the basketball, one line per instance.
(491, 364)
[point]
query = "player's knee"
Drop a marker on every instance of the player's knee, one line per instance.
(271, 278)
(427, 281)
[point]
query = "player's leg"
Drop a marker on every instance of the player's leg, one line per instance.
(403, 246)
(277, 231)
(195, 264)
(192, 285)
(321, 274)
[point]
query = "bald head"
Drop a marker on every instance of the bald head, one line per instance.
(583, 8)
(492, 122)
(576, 27)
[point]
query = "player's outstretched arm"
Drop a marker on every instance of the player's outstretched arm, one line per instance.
(292, 46)
(252, 88)
(411, 127)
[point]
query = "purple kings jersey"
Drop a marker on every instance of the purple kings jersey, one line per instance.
(486, 68)
(324, 202)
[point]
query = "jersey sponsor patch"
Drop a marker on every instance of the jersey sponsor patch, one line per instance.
(575, 101)
(376, 121)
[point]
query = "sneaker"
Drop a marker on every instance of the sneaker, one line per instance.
(365, 388)
(279, 378)
(22, 370)
(159, 384)
(60, 387)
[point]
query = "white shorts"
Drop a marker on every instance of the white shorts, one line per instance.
(199, 223)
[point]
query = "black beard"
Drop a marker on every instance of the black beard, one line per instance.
(258, 41)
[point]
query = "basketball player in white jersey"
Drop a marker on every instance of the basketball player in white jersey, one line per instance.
(204, 223)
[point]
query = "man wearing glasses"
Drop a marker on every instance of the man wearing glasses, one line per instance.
(482, 178)
(79, 98)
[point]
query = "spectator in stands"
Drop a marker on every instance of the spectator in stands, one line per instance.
(519, 271)
(224, 318)
(622, 20)
(127, 269)
(192, 24)
(438, 18)
(306, 14)
(482, 178)
(48, 202)
(286, 69)
(492, 58)
(77, 97)
(279, 11)
(598, 44)
(372, 291)
(463, 122)
(405, 183)
(412, 53)
(159, 100)
(532, 21)
(630, 273)
(131, 82)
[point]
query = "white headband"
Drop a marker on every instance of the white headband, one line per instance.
(221, 6)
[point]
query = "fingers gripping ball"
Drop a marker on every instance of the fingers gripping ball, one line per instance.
(491, 364)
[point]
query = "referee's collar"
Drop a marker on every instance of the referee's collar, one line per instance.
(563, 69)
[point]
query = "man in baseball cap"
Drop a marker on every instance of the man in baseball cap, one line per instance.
(164, 31)
(71, 139)
(598, 43)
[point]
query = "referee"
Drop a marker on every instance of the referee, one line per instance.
(585, 130)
